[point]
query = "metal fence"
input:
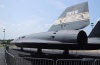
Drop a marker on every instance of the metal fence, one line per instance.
(33, 61)
(74, 62)
(12, 60)
(9, 59)
(97, 62)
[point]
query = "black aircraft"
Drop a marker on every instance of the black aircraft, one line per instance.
(94, 38)
(65, 33)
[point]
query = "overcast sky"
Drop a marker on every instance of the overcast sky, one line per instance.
(23, 17)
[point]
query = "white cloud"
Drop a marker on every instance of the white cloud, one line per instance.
(60, 5)
(57, 3)
(2, 6)
(98, 19)
(40, 11)
(2, 24)
(63, 4)
(14, 30)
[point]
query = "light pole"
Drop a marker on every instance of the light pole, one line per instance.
(4, 35)
(92, 24)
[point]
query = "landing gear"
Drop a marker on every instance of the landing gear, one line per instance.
(66, 52)
(21, 48)
(39, 51)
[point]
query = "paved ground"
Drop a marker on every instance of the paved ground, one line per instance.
(2, 56)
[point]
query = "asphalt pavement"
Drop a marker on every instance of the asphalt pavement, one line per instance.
(2, 56)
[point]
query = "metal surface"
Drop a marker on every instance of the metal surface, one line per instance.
(96, 31)
(73, 18)
(62, 35)
(11, 60)
(54, 40)
(75, 62)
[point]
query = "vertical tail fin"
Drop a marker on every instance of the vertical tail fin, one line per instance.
(74, 17)
(96, 30)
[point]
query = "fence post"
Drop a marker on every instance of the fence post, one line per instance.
(7, 47)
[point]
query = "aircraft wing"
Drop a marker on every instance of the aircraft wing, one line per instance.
(93, 43)
(39, 41)
(35, 41)
(94, 40)
(46, 44)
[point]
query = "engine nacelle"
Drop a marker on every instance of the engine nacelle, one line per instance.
(72, 36)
